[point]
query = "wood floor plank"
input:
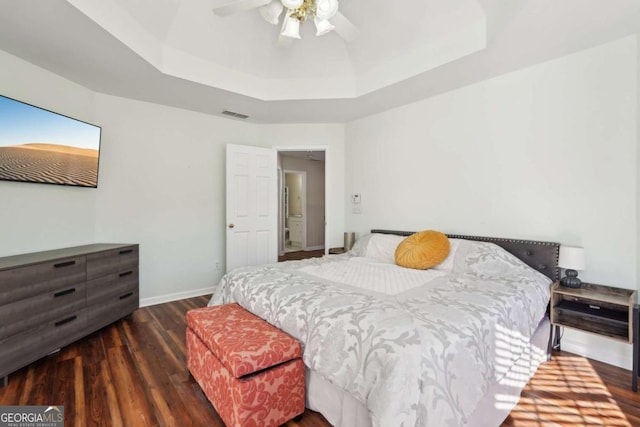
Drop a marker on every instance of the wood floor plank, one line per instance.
(155, 366)
(134, 406)
(191, 396)
(80, 415)
(34, 384)
(63, 390)
(133, 373)
(96, 386)
(112, 417)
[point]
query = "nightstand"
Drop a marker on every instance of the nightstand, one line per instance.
(598, 309)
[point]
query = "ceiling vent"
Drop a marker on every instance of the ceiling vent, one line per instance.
(234, 114)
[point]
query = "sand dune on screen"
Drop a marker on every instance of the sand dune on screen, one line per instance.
(61, 149)
(49, 163)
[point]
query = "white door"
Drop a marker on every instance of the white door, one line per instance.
(252, 210)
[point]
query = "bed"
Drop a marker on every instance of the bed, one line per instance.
(389, 346)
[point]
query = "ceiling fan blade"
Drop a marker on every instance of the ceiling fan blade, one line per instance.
(345, 28)
(239, 6)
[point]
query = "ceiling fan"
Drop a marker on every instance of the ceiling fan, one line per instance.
(324, 14)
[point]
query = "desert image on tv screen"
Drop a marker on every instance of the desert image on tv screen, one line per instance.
(37, 145)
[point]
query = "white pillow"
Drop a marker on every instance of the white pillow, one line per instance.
(360, 247)
(447, 264)
(382, 247)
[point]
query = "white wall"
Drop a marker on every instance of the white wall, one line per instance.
(37, 217)
(161, 182)
(547, 153)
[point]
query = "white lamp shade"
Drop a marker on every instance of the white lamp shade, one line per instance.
(326, 9)
(292, 4)
(322, 26)
(571, 257)
(291, 28)
(271, 12)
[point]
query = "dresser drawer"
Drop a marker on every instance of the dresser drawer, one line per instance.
(20, 350)
(31, 313)
(112, 308)
(113, 261)
(111, 285)
(24, 282)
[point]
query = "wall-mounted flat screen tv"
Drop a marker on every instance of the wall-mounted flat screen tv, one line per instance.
(38, 145)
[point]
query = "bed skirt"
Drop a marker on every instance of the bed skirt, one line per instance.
(343, 410)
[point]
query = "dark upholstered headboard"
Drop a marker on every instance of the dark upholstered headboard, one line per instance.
(542, 256)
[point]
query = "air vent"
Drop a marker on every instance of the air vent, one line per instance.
(234, 114)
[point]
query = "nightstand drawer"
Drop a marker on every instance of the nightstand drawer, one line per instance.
(615, 327)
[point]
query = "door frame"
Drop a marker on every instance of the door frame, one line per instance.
(327, 182)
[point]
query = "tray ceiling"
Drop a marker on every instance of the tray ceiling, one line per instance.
(177, 52)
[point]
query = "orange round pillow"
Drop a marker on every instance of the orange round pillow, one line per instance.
(422, 250)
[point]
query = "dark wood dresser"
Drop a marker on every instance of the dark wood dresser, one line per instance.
(50, 299)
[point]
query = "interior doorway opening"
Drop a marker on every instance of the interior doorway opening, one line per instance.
(302, 201)
(295, 207)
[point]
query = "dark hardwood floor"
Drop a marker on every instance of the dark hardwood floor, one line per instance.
(298, 255)
(133, 373)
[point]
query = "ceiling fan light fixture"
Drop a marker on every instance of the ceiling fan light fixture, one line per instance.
(292, 4)
(323, 26)
(326, 9)
(322, 12)
(291, 28)
(272, 11)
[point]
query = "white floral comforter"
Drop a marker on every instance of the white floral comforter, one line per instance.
(422, 357)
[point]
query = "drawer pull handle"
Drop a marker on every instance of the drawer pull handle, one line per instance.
(64, 264)
(67, 320)
(65, 292)
(127, 295)
(595, 307)
(126, 251)
(128, 273)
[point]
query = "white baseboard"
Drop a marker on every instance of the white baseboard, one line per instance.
(145, 302)
(314, 248)
(599, 348)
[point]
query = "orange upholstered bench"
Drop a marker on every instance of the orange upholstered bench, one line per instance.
(250, 371)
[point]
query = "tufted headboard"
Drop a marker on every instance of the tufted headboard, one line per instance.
(541, 256)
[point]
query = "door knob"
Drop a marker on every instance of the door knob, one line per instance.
(231, 225)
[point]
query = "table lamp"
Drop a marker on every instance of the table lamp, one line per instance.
(571, 259)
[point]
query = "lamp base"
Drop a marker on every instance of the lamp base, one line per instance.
(571, 279)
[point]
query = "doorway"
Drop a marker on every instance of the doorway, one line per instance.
(295, 210)
(302, 201)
